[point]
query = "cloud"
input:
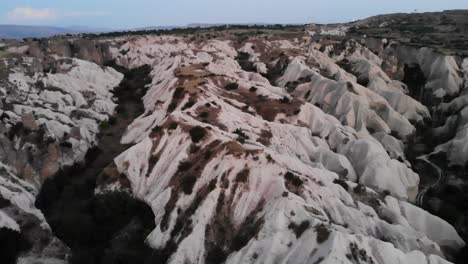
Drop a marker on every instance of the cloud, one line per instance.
(42, 15)
(32, 14)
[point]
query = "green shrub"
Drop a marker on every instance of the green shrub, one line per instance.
(299, 229)
(172, 106)
(184, 166)
(231, 86)
(12, 243)
(173, 126)
(120, 109)
(215, 255)
(284, 100)
(243, 60)
(188, 105)
(179, 93)
(341, 183)
(77, 228)
(197, 134)
(188, 182)
(204, 115)
(295, 180)
(322, 233)
(112, 120)
(360, 189)
(241, 133)
(103, 124)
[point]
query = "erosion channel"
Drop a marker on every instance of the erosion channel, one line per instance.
(110, 227)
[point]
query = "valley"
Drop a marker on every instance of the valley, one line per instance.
(340, 143)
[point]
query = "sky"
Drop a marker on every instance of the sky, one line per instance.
(124, 14)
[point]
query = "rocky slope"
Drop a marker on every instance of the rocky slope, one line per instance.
(298, 145)
(51, 109)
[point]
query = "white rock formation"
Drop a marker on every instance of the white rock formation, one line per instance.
(275, 171)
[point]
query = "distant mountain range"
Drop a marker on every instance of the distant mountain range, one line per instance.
(20, 31)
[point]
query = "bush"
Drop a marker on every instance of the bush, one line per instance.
(299, 229)
(13, 243)
(462, 255)
(360, 189)
(77, 228)
(103, 124)
(322, 233)
(173, 126)
(112, 120)
(284, 100)
(82, 257)
(179, 93)
(241, 133)
(184, 166)
(197, 134)
(295, 180)
(243, 60)
(187, 184)
(216, 255)
(243, 175)
(66, 144)
(172, 106)
(241, 140)
(239, 241)
(204, 115)
(357, 255)
(48, 194)
(4, 202)
(187, 105)
(92, 154)
(120, 109)
(341, 183)
(87, 223)
(231, 86)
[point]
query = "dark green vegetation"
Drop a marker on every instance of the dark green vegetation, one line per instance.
(299, 229)
(242, 137)
(132, 89)
(322, 233)
(11, 244)
(295, 180)
(243, 60)
(197, 133)
(358, 255)
(415, 80)
(192, 30)
(275, 71)
(107, 228)
(231, 86)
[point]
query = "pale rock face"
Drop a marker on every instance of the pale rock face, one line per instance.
(334, 31)
(286, 174)
(254, 58)
(21, 196)
(441, 71)
(446, 76)
(49, 121)
(306, 167)
(367, 65)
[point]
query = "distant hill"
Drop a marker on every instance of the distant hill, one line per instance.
(155, 28)
(197, 25)
(19, 31)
